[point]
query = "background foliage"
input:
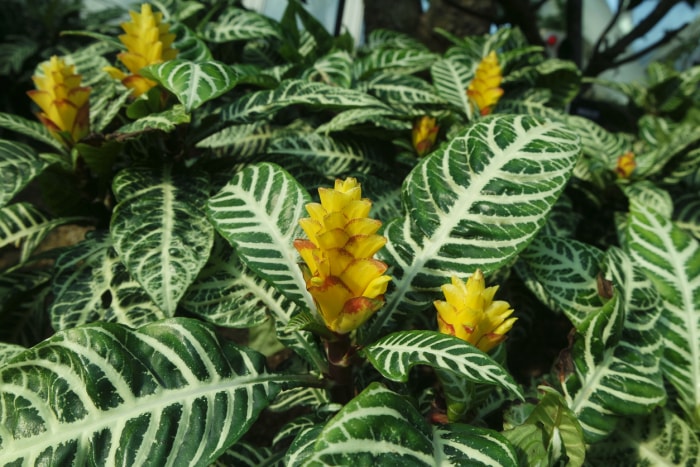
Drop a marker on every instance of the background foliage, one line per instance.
(125, 347)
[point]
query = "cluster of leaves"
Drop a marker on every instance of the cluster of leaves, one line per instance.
(194, 193)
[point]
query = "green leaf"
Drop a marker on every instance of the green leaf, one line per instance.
(91, 284)
(473, 203)
(23, 295)
(378, 117)
(193, 83)
(19, 164)
(405, 93)
(189, 46)
(240, 141)
(329, 155)
(167, 393)
(29, 128)
(389, 60)
(165, 121)
(334, 69)
(670, 258)
(379, 427)
(650, 195)
(23, 225)
(258, 213)
(687, 213)
(394, 356)
(244, 454)
(226, 293)
(563, 274)
(451, 78)
(160, 230)
(263, 104)
(236, 24)
(551, 434)
(662, 438)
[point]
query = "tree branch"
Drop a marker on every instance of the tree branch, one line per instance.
(604, 60)
(668, 36)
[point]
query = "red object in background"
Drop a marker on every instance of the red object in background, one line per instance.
(552, 40)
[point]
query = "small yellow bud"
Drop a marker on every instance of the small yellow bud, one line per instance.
(625, 165)
(424, 135)
(471, 314)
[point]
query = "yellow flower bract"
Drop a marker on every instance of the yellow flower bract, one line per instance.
(625, 165)
(484, 89)
(471, 314)
(344, 279)
(63, 101)
(424, 135)
(148, 42)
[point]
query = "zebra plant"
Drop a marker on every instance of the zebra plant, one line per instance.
(261, 245)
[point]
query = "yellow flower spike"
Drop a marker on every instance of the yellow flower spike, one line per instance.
(148, 42)
(63, 102)
(346, 282)
(471, 314)
(484, 89)
(424, 134)
(625, 165)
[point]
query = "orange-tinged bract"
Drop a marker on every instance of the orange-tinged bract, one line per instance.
(471, 314)
(625, 165)
(424, 135)
(63, 101)
(148, 42)
(484, 89)
(342, 276)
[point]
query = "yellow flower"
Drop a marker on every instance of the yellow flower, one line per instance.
(64, 103)
(147, 42)
(484, 89)
(625, 165)
(471, 314)
(424, 134)
(344, 279)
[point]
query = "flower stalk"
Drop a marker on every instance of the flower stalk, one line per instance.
(148, 42)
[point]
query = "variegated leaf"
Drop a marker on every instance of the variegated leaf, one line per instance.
(378, 117)
(29, 128)
(165, 121)
(380, 427)
(650, 195)
(91, 284)
(263, 104)
(563, 274)
(237, 24)
(193, 83)
(160, 230)
(387, 38)
(394, 356)
(473, 203)
(23, 318)
(389, 60)
(330, 156)
(189, 46)
(662, 438)
(167, 393)
(409, 94)
(244, 454)
(451, 78)
(24, 226)
(19, 164)
(334, 69)
(670, 258)
(258, 213)
(687, 213)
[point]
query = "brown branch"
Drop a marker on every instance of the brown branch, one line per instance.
(668, 36)
(604, 60)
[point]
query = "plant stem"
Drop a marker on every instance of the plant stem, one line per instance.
(340, 352)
